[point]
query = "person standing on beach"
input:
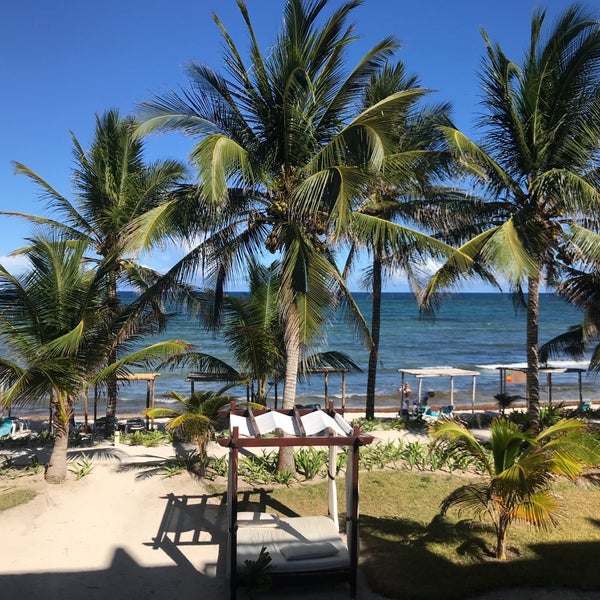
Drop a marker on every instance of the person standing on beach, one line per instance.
(406, 391)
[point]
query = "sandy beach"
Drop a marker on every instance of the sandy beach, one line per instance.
(118, 534)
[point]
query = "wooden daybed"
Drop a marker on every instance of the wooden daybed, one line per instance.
(297, 545)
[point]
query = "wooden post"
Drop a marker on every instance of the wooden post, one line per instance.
(85, 411)
(232, 504)
(354, 518)
(402, 395)
(152, 402)
(147, 402)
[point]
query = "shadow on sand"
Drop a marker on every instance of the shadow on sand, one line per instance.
(188, 522)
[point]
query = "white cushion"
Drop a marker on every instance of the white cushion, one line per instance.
(308, 550)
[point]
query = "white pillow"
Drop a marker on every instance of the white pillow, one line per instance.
(308, 550)
(257, 519)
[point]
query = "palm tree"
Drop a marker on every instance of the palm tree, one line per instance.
(113, 188)
(281, 156)
(58, 333)
(250, 323)
(405, 193)
(196, 418)
(537, 165)
(517, 471)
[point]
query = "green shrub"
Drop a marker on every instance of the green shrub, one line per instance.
(415, 455)
(218, 467)
(83, 466)
(310, 461)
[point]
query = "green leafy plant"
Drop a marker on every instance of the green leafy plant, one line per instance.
(284, 477)
(34, 465)
(415, 455)
(518, 471)
(257, 573)
(552, 414)
(258, 469)
(83, 466)
(381, 455)
(170, 470)
(310, 461)
(218, 467)
(148, 439)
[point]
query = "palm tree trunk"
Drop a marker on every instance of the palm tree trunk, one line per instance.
(111, 384)
(285, 461)
(292, 350)
(533, 366)
(375, 335)
(501, 542)
(57, 466)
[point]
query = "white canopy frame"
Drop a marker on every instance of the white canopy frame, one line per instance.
(548, 371)
(302, 428)
(432, 372)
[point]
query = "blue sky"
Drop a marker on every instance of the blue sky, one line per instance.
(64, 61)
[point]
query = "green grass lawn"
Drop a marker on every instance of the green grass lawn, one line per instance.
(11, 498)
(409, 551)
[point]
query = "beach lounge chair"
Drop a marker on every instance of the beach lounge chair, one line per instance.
(6, 427)
(447, 411)
(429, 415)
(14, 428)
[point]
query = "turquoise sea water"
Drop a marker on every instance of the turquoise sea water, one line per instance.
(470, 331)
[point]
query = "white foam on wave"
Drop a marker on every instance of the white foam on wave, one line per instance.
(558, 364)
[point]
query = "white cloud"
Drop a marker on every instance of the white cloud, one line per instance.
(15, 264)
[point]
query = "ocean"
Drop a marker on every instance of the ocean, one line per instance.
(473, 331)
(478, 331)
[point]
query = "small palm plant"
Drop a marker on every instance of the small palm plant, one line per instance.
(196, 418)
(517, 471)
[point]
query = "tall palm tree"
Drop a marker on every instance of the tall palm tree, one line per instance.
(517, 471)
(59, 333)
(406, 193)
(537, 164)
(250, 324)
(113, 187)
(281, 156)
